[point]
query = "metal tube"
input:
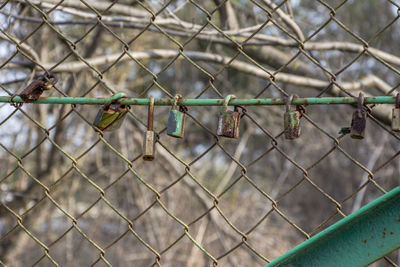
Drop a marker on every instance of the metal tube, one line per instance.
(205, 102)
(150, 115)
(357, 240)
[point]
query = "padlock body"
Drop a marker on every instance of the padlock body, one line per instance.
(396, 119)
(176, 123)
(148, 146)
(358, 124)
(33, 91)
(110, 118)
(228, 124)
(291, 122)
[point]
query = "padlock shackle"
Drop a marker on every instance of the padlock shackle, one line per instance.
(49, 79)
(227, 99)
(114, 99)
(176, 99)
(150, 115)
(288, 102)
(360, 101)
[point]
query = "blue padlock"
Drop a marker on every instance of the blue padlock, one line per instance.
(176, 119)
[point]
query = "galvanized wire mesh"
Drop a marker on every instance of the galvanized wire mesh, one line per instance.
(73, 196)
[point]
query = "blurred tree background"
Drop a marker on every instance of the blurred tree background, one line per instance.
(73, 197)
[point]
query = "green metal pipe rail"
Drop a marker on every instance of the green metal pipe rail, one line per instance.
(357, 240)
(121, 99)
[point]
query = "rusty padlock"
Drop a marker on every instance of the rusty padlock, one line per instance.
(359, 120)
(149, 138)
(228, 120)
(111, 116)
(33, 91)
(291, 121)
(396, 115)
(176, 119)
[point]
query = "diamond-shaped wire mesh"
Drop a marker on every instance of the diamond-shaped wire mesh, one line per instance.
(72, 196)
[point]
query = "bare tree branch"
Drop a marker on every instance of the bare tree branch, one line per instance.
(186, 28)
(286, 19)
(227, 15)
(100, 6)
(25, 47)
(370, 165)
(241, 66)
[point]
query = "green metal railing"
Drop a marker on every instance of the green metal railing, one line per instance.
(204, 102)
(369, 234)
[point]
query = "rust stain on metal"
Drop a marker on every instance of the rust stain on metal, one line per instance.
(396, 119)
(292, 124)
(34, 90)
(149, 146)
(150, 118)
(396, 115)
(149, 138)
(359, 120)
(228, 124)
(358, 124)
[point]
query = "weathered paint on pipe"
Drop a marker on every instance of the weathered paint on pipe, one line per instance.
(204, 102)
(357, 240)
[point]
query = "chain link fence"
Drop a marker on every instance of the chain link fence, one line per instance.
(73, 196)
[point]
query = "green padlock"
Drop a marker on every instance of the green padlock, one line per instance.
(291, 121)
(176, 119)
(111, 115)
